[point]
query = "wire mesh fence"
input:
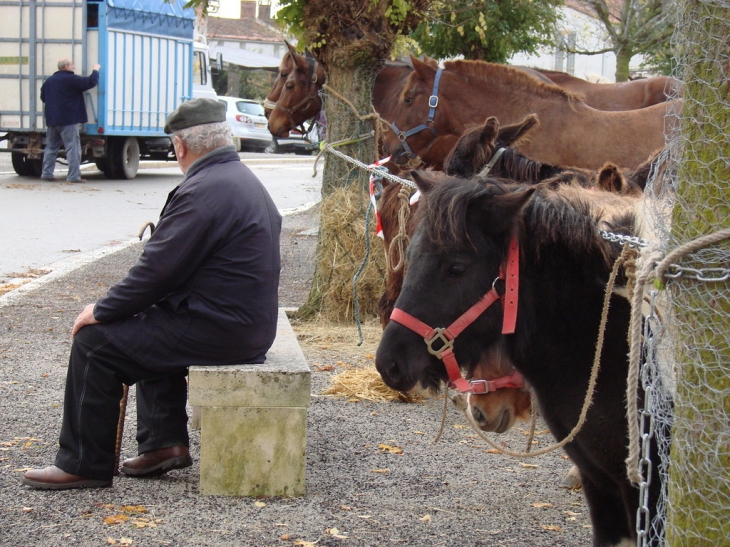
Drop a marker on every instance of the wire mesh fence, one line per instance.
(687, 340)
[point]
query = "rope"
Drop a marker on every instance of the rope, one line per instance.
(443, 414)
(650, 258)
(401, 239)
(356, 303)
(591, 382)
(645, 265)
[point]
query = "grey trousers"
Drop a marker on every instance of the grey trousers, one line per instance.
(68, 137)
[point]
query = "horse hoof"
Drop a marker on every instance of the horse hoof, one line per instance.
(571, 479)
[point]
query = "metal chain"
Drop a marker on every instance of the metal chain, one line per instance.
(646, 422)
(707, 275)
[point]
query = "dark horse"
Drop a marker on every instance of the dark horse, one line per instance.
(537, 256)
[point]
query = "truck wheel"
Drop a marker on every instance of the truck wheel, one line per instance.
(21, 164)
(124, 158)
(36, 167)
(102, 164)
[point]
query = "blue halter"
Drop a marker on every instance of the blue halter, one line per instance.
(433, 102)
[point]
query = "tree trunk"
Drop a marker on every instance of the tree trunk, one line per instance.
(345, 199)
(351, 38)
(623, 58)
(699, 475)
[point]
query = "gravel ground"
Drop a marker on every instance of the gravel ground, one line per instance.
(453, 493)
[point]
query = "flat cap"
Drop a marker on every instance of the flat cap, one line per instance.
(195, 112)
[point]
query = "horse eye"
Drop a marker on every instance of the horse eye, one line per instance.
(457, 269)
(407, 100)
(289, 86)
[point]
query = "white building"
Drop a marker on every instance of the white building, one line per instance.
(580, 29)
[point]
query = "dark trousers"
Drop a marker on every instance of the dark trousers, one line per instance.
(96, 371)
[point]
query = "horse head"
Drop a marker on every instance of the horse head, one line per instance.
(286, 65)
(509, 401)
(461, 243)
(298, 85)
(414, 125)
(476, 148)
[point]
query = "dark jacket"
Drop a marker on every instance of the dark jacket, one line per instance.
(63, 94)
(205, 289)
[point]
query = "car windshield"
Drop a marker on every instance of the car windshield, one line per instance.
(254, 109)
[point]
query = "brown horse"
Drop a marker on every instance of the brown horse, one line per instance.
(301, 77)
(619, 96)
(295, 98)
(489, 149)
(570, 133)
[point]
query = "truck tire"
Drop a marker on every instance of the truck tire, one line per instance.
(21, 164)
(123, 158)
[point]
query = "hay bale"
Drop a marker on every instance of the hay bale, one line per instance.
(340, 252)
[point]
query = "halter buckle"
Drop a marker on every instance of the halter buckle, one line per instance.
(439, 335)
(479, 387)
(433, 101)
(402, 136)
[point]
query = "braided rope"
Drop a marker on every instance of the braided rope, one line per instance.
(401, 239)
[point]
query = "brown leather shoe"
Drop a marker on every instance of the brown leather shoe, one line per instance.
(157, 462)
(53, 478)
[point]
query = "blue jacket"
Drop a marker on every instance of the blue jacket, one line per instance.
(205, 290)
(63, 94)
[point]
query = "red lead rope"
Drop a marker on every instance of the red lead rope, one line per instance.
(446, 336)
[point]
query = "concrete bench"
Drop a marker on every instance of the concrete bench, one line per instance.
(253, 422)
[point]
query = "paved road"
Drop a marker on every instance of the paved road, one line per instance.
(44, 223)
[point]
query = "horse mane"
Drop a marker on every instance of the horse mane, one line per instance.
(493, 72)
(568, 214)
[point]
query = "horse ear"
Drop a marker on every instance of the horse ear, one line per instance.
(425, 184)
(611, 179)
(513, 134)
(431, 62)
(489, 131)
(503, 211)
(291, 49)
(423, 69)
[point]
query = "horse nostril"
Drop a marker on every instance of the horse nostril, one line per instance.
(478, 415)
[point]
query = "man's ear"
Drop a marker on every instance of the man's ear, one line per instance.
(180, 149)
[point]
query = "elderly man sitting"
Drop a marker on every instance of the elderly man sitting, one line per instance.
(203, 292)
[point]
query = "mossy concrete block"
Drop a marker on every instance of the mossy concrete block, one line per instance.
(253, 451)
(253, 421)
(283, 380)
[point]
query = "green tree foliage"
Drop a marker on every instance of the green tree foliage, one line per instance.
(487, 30)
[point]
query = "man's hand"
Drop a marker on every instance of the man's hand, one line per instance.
(86, 317)
(97, 66)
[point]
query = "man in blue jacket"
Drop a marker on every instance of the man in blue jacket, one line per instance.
(63, 95)
(203, 292)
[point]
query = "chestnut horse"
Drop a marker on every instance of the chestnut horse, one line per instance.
(294, 98)
(533, 267)
(570, 133)
(621, 95)
(301, 76)
(489, 149)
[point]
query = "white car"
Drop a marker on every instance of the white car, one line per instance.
(248, 122)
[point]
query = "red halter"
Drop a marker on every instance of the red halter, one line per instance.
(446, 336)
